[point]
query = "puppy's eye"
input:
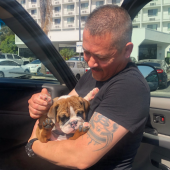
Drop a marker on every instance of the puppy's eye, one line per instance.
(80, 114)
(64, 119)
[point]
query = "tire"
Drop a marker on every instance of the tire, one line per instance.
(27, 76)
(26, 71)
(1, 74)
(78, 76)
(38, 70)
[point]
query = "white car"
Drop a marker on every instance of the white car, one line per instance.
(78, 67)
(10, 68)
(34, 66)
(13, 57)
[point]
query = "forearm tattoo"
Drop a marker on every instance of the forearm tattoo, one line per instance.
(101, 130)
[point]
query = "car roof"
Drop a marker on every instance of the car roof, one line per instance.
(151, 61)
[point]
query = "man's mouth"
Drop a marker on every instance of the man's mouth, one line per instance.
(96, 69)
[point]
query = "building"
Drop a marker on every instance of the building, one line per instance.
(154, 19)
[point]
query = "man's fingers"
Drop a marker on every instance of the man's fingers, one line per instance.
(35, 114)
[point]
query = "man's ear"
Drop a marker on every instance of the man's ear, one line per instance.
(128, 49)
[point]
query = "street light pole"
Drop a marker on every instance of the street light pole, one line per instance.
(80, 26)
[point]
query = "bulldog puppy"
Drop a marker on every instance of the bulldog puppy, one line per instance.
(66, 118)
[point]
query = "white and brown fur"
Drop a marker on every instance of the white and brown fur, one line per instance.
(64, 118)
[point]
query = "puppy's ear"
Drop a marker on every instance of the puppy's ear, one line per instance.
(53, 111)
(85, 103)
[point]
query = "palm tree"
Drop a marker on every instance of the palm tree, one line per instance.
(46, 20)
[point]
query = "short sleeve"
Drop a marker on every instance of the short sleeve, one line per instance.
(126, 101)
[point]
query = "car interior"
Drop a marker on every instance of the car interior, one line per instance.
(15, 123)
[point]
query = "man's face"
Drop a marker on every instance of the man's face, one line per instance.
(104, 60)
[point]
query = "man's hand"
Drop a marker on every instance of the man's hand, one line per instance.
(39, 104)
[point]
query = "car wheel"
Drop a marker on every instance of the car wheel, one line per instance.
(166, 84)
(38, 71)
(78, 76)
(1, 74)
(26, 71)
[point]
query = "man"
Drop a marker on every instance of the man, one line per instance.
(119, 111)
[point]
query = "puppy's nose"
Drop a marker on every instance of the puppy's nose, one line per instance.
(73, 124)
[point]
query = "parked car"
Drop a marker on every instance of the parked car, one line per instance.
(78, 67)
(15, 123)
(76, 58)
(10, 68)
(162, 70)
(13, 57)
(34, 66)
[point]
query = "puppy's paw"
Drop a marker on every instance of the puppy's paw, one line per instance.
(85, 127)
(48, 124)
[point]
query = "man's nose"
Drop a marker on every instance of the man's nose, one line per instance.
(92, 62)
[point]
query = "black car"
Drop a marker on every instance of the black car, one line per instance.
(162, 70)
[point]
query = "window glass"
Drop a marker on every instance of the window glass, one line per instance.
(71, 64)
(2, 56)
(99, 3)
(83, 18)
(80, 65)
(3, 63)
(70, 7)
(70, 20)
(84, 5)
(154, 26)
(35, 62)
(152, 12)
(22, 2)
(33, 1)
(11, 63)
(57, 9)
(153, 21)
(33, 12)
(17, 57)
(57, 21)
(9, 56)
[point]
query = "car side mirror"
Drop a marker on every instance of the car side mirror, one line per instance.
(150, 74)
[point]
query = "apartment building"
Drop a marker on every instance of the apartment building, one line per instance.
(153, 18)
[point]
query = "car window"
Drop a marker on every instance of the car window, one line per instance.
(80, 65)
(14, 48)
(9, 56)
(2, 56)
(17, 57)
(71, 64)
(151, 39)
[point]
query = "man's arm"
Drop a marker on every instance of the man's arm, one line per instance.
(73, 93)
(87, 149)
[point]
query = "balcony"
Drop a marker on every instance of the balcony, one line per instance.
(166, 2)
(136, 20)
(32, 5)
(58, 14)
(83, 11)
(68, 1)
(57, 26)
(166, 17)
(56, 2)
(66, 13)
(71, 25)
(34, 16)
(153, 19)
(153, 4)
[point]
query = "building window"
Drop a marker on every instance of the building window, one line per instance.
(33, 12)
(99, 3)
(152, 12)
(70, 7)
(168, 26)
(168, 11)
(70, 20)
(135, 26)
(84, 5)
(83, 18)
(33, 1)
(22, 2)
(57, 9)
(57, 21)
(154, 26)
(114, 1)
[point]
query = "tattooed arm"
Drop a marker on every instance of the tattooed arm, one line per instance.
(86, 150)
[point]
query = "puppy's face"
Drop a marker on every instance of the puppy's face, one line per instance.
(68, 113)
